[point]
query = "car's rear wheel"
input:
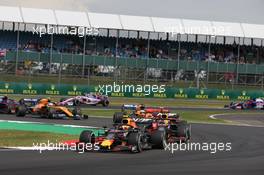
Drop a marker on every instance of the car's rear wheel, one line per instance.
(21, 111)
(105, 103)
(183, 130)
(244, 106)
(76, 111)
(85, 116)
(118, 117)
(158, 139)
(76, 102)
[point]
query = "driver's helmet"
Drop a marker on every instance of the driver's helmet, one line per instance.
(128, 123)
(164, 116)
(140, 112)
(140, 107)
(148, 115)
(174, 116)
(159, 115)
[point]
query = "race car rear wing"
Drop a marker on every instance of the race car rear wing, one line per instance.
(158, 109)
(32, 101)
(142, 107)
(132, 107)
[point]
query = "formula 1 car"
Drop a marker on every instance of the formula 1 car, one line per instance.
(127, 136)
(87, 99)
(176, 129)
(7, 106)
(45, 109)
(137, 110)
(256, 103)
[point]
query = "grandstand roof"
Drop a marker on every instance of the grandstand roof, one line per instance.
(106, 21)
(10, 14)
(71, 18)
(38, 16)
(128, 22)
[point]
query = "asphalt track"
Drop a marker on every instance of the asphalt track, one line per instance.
(246, 119)
(246, 156)
(170, 108)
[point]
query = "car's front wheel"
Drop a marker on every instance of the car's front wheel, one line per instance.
(134, 140)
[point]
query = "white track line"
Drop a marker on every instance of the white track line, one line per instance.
(54, 124)
(40, 149)
(214, 117)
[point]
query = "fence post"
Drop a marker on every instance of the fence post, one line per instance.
(59, 82)
(83, 59)
(209, 57)
(179, 48)
(17, 49)
(51, 52)
(238, 55)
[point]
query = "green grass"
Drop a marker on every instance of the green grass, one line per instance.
(27, 138)
(193, 116)
(169, 102)
(190, 116)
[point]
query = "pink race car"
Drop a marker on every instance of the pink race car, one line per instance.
(86, 99)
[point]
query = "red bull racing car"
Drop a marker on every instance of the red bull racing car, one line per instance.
(127, 136)
(176, 128)
(7, 106)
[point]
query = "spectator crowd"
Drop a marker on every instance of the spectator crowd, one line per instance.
(133, 48)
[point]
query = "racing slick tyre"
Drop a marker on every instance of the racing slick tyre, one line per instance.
(85, 117)
(118, 117)
(158, 139)
(76, 103)
(134, 139)
(183, 130)
(245, 106)
(76, 111)
(21, 111)
(49, 115)
(105, 103)
(87, 137)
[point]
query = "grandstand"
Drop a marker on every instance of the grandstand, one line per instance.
(130, 48)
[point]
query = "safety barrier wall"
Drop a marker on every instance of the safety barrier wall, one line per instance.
(137, 63)
(176, 93)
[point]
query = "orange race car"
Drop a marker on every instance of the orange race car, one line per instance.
(46, 109)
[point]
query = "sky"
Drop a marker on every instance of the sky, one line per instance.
(247, 11)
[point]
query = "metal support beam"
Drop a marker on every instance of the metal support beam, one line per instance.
(59, 81)
(17, 49)
(179, 49)
(83, 56)
(209, 56)
(238, 56)
(117, 43)
(148, 49)
(51, 52)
